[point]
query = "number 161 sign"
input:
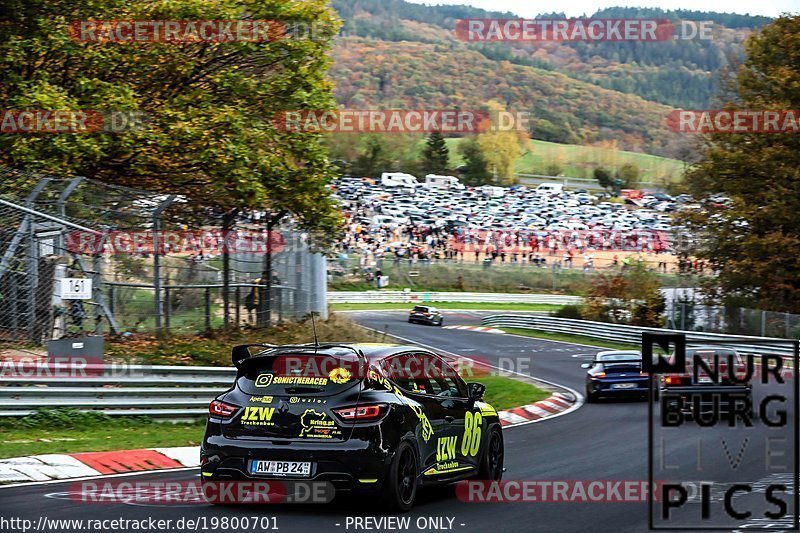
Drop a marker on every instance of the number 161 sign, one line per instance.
(76, 289)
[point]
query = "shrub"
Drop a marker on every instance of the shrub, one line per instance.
(569, 311)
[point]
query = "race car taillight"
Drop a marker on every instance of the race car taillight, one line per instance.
(674, 380)
(220, 409)
(362, 412)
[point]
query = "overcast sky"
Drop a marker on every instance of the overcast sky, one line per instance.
(577, 8)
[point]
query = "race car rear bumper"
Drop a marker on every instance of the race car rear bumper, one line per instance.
(706, 398)
(350, 464)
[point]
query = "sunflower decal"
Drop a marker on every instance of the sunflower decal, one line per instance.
(340, 375)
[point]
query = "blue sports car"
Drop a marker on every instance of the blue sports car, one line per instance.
(616, 374)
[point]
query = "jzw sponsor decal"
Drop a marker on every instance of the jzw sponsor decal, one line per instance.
(258, 416)
(446, 448)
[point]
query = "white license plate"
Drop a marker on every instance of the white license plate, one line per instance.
(623, 385)
(280, 468)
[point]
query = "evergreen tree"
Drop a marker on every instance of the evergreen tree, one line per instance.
(474, 171)
(435, 156)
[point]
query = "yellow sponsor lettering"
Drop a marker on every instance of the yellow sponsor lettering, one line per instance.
(257, 414)
(446, 448)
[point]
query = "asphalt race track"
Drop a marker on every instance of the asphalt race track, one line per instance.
(606, 441)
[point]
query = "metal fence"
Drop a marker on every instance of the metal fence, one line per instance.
(171, 392)
(156, 265)
(733, 320)
(633, 334)
(418, 297)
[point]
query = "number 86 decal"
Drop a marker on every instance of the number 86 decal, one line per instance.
(471, 442)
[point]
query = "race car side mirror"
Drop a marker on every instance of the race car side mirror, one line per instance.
(476, 390)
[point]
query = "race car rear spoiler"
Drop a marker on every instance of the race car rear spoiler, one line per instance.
(242, 352)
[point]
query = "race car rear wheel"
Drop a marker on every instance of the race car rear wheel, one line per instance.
(491, 468)
(400, 488)
(590, 398)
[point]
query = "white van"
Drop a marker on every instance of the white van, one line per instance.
(442, 182)
(492, 191)
(398, 179)
(550, 188)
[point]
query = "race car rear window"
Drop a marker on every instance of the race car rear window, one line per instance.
(620, 357)
(424, 374)
(299, 373)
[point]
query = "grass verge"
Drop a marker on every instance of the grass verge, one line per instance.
(72, 431)
(506, 393)
(563, 337)
(447, 305)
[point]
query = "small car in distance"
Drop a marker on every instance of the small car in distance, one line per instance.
(699, 391)
(425, 314)
(616, 374)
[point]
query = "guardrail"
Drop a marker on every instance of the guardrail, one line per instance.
(633, 334)
(157, 391)
(420, 297)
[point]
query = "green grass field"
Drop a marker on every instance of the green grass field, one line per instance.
(580, 161)
(506, 393)
(70, 431)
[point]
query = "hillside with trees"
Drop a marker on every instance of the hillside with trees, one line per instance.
(391, 53)
(415, 75)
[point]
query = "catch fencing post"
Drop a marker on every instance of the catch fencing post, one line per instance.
(32, 264)
(159, 308)
(97, 289)
(167, 308)
(238, 304)
(208, 308)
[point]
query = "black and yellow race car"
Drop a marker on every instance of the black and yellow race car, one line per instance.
(385, 419)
